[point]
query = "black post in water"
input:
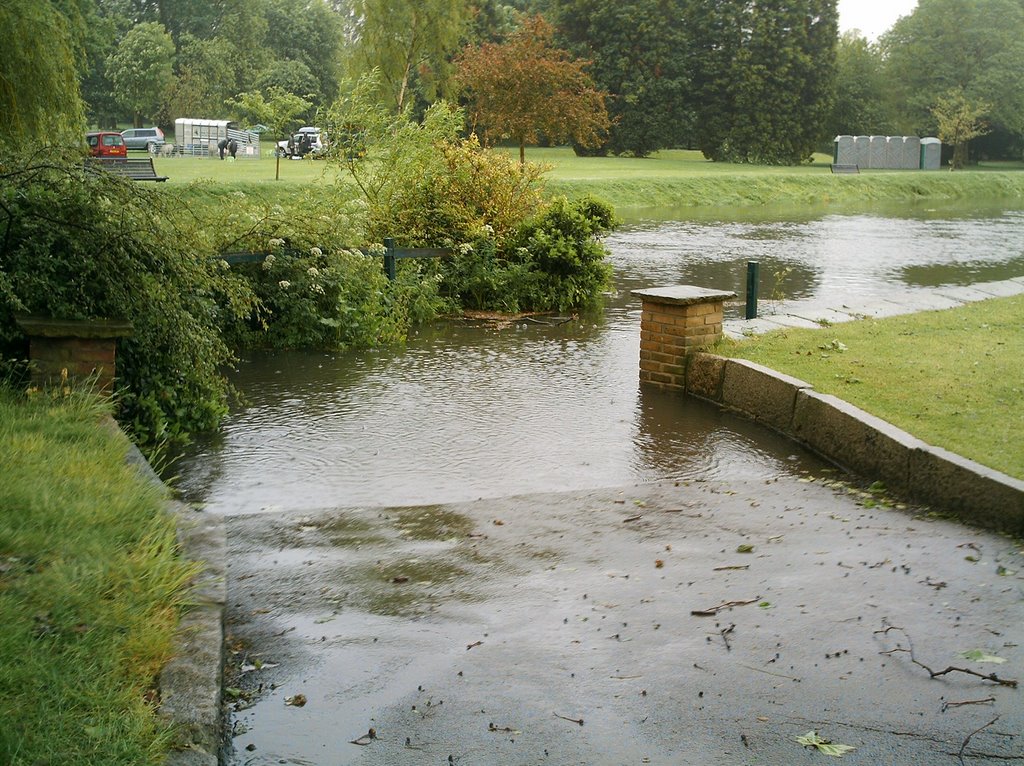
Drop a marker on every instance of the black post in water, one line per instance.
(390, 267)
(753, 272)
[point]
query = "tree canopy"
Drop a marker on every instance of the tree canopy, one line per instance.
(763, 77)
(39, 91)
(637, 51)
(975, 46)
(527, 88)
(141, 70)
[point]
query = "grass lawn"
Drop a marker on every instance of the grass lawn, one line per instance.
(90, 590)
(953, 378)
(667, 178)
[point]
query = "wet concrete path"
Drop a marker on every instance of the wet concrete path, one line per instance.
(560, 629)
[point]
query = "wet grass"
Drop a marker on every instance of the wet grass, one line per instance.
(90, 590)
(670, 178)
(952, 378)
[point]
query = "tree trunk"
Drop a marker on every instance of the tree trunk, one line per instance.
(522, 152)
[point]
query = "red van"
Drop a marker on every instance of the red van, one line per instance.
(104, 144)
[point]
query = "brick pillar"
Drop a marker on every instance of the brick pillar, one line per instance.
(676, 321)
(82, 347)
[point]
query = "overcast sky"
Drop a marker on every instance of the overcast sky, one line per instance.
(872, 17)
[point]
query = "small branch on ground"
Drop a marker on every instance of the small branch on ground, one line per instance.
(987, 701)
(566, 718)
(712, 611)
(724, 632)
(936, 673)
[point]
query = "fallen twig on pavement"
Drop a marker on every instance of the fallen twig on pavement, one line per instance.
(566, 718)
(936, 673)
(947, 705)
(726, 605)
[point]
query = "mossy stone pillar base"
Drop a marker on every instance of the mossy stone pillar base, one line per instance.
(677, 321)
(84, 348)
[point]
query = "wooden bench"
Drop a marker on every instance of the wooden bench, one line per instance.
(845, 168)
(135, 168)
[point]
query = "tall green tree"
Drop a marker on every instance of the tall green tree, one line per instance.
(206, 78)
(311, 33)
(764, 75)
(39, 93)
(527, 88)
(976, 46)
(142, 70)
(638, 54)
(860, 106)
(409, 43)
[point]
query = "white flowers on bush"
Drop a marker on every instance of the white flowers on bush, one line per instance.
(276, 242)
(313, 271)
(317, 288)
(316, 252)
(465, 248)
(284, 284)
(268, 262)
(376, 249)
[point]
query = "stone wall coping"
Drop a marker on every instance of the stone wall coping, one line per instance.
(934, 476)
(683, 295)
(191, 682)
(48, 327)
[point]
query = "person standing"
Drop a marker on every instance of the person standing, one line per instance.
(221, 146)
(232, 148)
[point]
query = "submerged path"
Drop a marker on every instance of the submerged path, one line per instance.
(673, 622)
(665, 623)
(815, 312)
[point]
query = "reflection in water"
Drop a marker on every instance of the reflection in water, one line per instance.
(467, 411)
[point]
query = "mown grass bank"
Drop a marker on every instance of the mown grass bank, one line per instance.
(952, 378)
(90, 590)
(671, 178)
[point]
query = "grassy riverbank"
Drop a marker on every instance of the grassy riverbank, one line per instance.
(90, 589)
(953, 378)
(671, 178)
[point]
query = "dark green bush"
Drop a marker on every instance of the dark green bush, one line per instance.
(81, 244)
(555, 260)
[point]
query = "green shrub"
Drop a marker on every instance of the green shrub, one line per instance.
(331, 300)
(80, 244)
(554, 260)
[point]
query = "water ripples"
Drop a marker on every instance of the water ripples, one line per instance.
(467, 411)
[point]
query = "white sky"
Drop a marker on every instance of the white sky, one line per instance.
(872, 17)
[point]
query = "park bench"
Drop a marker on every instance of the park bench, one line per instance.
(838, 168)
(135, 168)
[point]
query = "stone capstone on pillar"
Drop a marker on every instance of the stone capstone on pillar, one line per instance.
(82, 348)
(675, 322)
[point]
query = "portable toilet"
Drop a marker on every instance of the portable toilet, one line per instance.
(876, 155)
(931, 153)
(862, 151)
(843, 152)
(894, 152)
(911, 153)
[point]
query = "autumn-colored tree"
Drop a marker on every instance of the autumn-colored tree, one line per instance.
(527, 88)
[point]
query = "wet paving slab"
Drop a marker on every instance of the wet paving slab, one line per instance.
(672, 622)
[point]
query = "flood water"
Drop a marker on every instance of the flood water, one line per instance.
(467, 411)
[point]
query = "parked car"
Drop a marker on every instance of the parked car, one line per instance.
(307, 141)
(149, 139)
(106, 144)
